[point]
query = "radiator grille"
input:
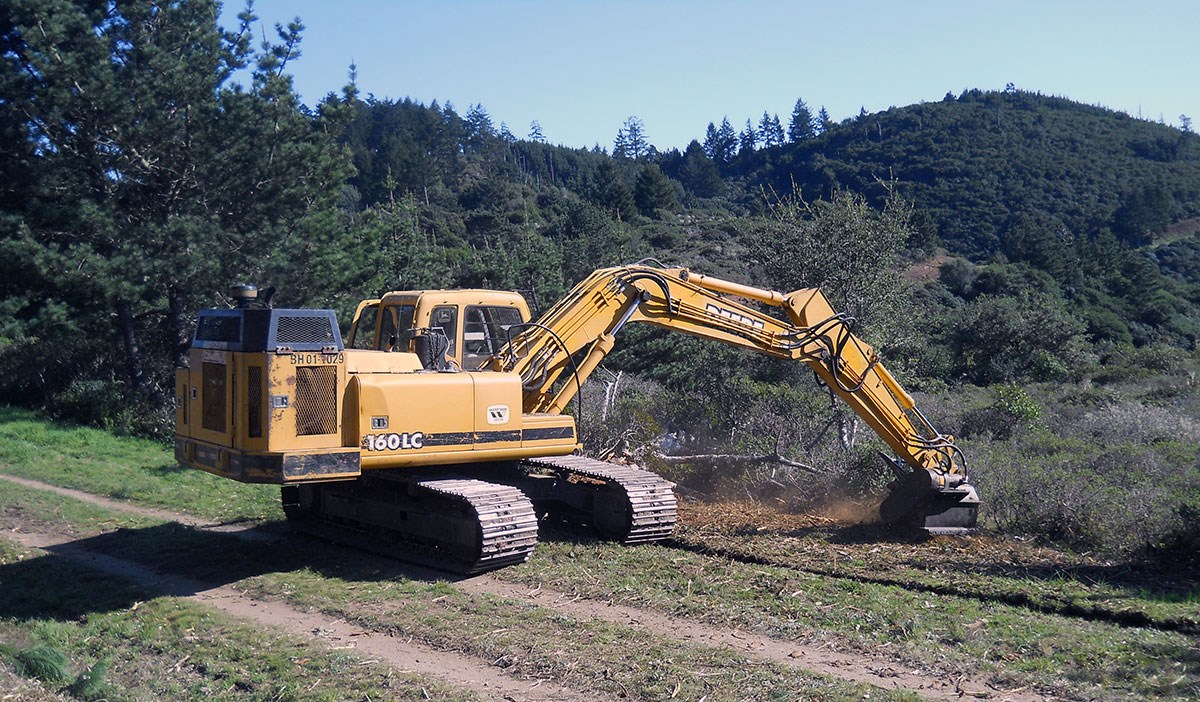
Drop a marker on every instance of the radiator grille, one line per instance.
(316, 400)
(303, 330)
(212, 409)
(254, 401)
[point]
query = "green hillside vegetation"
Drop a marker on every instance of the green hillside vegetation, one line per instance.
(1031, 265)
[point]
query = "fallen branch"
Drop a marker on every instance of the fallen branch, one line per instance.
(737, 460)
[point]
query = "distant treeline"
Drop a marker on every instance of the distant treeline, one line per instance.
(137, 181)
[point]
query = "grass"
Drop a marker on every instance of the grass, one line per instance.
(989, 569)
(124, 468)
(954, 634)
(960, 635)
(592, 655)
(938, 629)
(599, 656)
(90, 637)
(42, 511)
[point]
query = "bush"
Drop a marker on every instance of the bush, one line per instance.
(1116, 500)
(111, 406)
(1012, 408)
(1182, 543)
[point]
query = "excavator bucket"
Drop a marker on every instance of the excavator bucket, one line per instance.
(917, 500)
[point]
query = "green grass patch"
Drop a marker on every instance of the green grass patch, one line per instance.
(596, 656)
(600, 657)
(124, 468)
(91, 637)
(1026, 577)
(31, 509)
(1019, 647)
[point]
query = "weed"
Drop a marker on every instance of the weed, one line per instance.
(46, 664)
(91, 686)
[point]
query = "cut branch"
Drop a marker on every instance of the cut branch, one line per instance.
(738, 460)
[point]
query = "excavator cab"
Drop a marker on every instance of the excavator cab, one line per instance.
(475, 324)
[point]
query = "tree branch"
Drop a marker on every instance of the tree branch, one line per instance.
(735, 459)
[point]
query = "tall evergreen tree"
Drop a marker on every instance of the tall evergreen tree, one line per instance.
(770, 132)
(631, 141)
(748, 139)
(612, 193)
(698, 173)
(535, 132)
(801, 125)
(653, 192)
(479, 126)
(720, 143)
(148, 183)
(823, 120)
(710, 141)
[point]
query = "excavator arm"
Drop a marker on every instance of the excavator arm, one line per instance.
(555, 355)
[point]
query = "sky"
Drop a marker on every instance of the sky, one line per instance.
(580, 68)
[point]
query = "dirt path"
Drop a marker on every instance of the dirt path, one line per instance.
(326, 631)
(881, 672)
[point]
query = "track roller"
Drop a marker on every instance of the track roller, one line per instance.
(462, 526)
(625, 504)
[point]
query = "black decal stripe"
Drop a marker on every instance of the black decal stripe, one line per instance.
(456, 438)
(461, 438)
(547, 434)
(491, 437)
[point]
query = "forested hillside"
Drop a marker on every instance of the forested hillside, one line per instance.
(1019, 256)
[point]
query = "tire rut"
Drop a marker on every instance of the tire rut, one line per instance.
(880, 672)
(1012, 599)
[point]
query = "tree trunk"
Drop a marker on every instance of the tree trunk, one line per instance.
(847, 429)
(133, 353)
(175, 324)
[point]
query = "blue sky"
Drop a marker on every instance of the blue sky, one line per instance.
(581, 68)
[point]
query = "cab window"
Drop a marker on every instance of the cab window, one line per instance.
(444, 319)
(395, 331)
(485, 331)
(364, 328)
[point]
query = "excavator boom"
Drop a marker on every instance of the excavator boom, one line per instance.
(555, 355)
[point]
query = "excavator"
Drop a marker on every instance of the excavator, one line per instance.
(437, 427)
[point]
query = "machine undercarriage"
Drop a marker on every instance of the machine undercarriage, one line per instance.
(469, 525)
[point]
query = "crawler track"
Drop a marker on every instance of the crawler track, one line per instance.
(629, 505)
(460, 525)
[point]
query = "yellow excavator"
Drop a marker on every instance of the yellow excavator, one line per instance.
(438, 425)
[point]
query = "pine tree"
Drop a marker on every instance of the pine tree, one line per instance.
(698, 172)
(748, 139)
(720, 143)
(823, 121)
(770, 132)
(710, 141)
(653, 192)
(167, 182)
(612, 193)
(479, 126)
(535, 132)
(631, 141)
(801, 126)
